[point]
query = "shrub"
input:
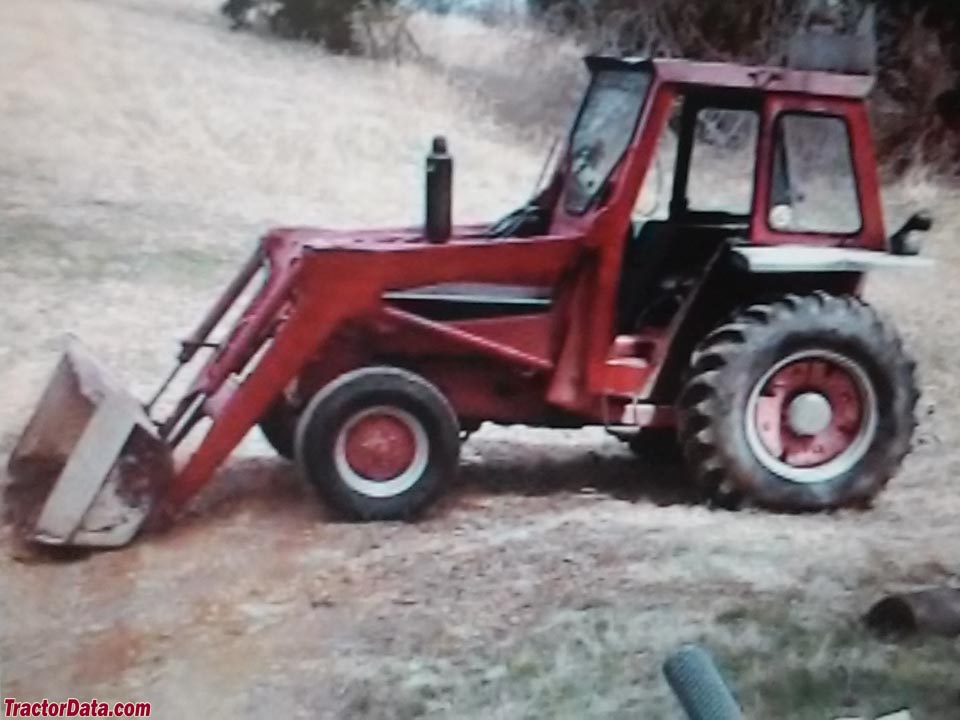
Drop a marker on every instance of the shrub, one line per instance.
(917, 101)
(342, 26)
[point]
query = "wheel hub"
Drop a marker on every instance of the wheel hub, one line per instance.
(812, 416)
(379, 446)
(809, 413)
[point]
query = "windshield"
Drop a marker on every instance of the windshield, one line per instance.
(603, 132)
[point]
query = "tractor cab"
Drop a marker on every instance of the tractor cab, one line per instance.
(693, 180)
(777, 155)
(671, 164)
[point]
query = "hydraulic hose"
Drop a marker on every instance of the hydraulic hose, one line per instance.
(698, 685)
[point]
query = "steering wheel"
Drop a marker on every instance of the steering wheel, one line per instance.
(510, 223)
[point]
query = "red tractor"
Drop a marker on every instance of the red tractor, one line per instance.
(733, 322)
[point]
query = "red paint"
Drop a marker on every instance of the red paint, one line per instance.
(821, 376)
(473, 342)
(872, 235)
(482, 390)
(315, 281)
(530, 334)
(623, 377)
(222, 305)
(379, 446)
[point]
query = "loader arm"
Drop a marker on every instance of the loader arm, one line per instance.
(356, 274)
(91, 467)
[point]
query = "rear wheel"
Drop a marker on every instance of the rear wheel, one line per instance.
(806, 403)
(379, 443)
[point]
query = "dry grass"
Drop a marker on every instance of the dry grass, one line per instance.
(527, 80)
(142, 147)
(147, 164)
(595, 663)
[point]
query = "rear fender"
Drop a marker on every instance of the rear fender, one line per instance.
(759, 274)
(793, 259)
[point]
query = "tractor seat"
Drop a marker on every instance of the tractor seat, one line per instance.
(460, 301)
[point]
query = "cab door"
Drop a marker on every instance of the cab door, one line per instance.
(816, 175)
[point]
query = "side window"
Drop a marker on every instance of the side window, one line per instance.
(722, 161)
(653, 200)
(602, 133)
(814, 189)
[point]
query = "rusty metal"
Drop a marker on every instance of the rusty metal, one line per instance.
(89, 464)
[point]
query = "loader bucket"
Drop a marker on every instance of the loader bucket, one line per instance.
(89, 466)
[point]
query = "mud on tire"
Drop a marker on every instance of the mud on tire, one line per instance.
(805, 403)
(379, 443)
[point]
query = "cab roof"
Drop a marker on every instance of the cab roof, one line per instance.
(741, 77)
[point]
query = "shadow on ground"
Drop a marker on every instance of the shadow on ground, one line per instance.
(621, 475)
(270, 488)
(272, 484)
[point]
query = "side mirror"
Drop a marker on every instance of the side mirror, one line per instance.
(903, 242)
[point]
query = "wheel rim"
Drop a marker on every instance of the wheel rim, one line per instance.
(812, 416)
(381, 451)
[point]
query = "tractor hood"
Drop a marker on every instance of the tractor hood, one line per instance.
(325, 238)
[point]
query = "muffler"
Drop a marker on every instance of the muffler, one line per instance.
(90, 465)
(438, 224)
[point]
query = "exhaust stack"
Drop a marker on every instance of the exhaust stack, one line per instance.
(439, 192)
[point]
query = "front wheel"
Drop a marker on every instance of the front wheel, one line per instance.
(278, 426)
(806, 403)
(379, 443)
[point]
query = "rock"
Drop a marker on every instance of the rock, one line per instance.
(926, 612)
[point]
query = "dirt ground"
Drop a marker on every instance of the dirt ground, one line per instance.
(143, 147)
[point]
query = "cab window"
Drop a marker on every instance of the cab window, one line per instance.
(603, 132)
(722, 161)
(814, 188)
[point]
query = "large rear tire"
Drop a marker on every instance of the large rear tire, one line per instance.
(806, 403)
(379, 443)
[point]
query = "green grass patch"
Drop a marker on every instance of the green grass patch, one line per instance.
(821, 669)
(605, 663)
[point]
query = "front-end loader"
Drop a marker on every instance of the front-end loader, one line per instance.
(734, 323)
